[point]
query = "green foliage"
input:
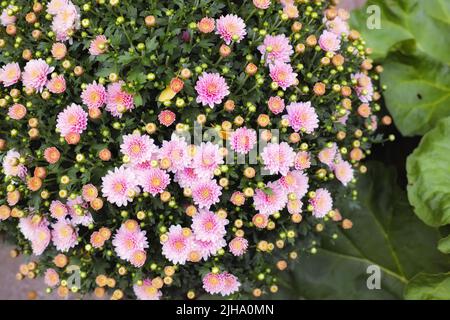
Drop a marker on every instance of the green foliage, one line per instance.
(429, 287)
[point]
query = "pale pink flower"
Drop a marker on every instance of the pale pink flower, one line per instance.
(238, 246)
(206, 25)
(178, 245)
(230, 285)
(291, 11)
(58, 210)
(294, 206)
(94, 96)
(207, 248)
(322, 203)
(154, 181)
(262, 4)
(278, 158)
(12, 166)
(343, 171)
(127, 242)
(213, 283)
(206, 193)
(139, 148)
(364, 88)
(35, 229)
(59, 50)
(120, 186)
(147, 291)
(85, 218)
(35, 74)
(118, 100)
(17, 111)
(295, 182)
(56, 6)
(5, 18)
(64, 235)
(57, 85)
(276, 49)
(72, 120)
(283, 74)
(276, 105)
(89, 192)
(302, 117)
(329, 41)
(51, 277)
(243, 140)
(98, 46)
(211, 89)
(338, 26)
(231, 28)
(167, 118)
(302, 160)
(328, 155)
(271, 199)
(10, 74)
(208, 226)
(176, 150)
(187, 177)
(66, 21)
(206, 159)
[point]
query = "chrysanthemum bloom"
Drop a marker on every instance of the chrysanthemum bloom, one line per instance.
(119, 186)
(118, 100)
(238, 246)
(35, 74)
(208, 226)
(343, 171)
(206, 25)
(338, 26)
(291, 11)
(260, 220)
(206, 193)
(206, 159)
(364, 87)
(243, 140)
(94, 96)
(41, 238)
(57, 85)
(13, 197)
(278, 158)
(10, 74)
(17, 111)
(176, 151)
(262, 4)
(12, 166)
(211, 89)
(51, 277)
(187, 177)
(138, 148)
(166, 118)
(178, 244)
(138, 258)
(295, 182)
(237, 198)
(5, 18)
(231, 28)
(302, 160)
(270, 200)
(146, 291)
(78, 217)
(56, 6)
(276, 105)
(213, 283)
(64, 235)
(58, 210)
(176, 84)
(329, 41)
(302, 117)
(98, 46)
(282, 74)
(294, 206)
(59, 50)
(205, 249)
(128, 240)
(154, 181)
(89, 192)
(230, 285)
(322, 203)
(328, 155)
(65, 21)
(276, 49)
(52, 155)
(72, 120)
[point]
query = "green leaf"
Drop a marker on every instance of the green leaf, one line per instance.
(429, 175)
(385, 233)
(444, 245)
(429, 287)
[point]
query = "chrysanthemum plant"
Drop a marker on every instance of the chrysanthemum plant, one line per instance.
(169, 149)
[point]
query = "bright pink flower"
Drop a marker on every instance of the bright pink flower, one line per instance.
(118, 100)
(329, 41)
(343, 171)
(208, 226)
(322, 203)
(302, 160)
(295, 182)
(206, 193)
(178, 245)
(206, 159)
(271, 199)
(276, 105)
(231, 28)
(10, 74)
(72, 120)
(278, 158)
(35, 74)
(207, 248)
(139, 148)
(129, 240)
(154, 181)
(211, 89)
(261, 4)
(167, 118)
(187, 177)
(276, 49)
(213, 283)
(57, 85)
(243, 140)
(302, 117)
(176, 150)
(147, 291)
(94, 96)
(120, 186)
(64, 235)
(282, 74)
(238, 246)
(230, 282)
(98, 46)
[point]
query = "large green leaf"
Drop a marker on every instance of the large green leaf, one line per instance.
(386, 234)
(429, 176)
(429, 287)
(444, 245)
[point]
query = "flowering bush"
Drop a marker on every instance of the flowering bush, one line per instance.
(173, 149)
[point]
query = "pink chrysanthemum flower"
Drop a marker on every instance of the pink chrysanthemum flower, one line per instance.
(276, 49)
(94, 96)
(10, 74)
(213, 283)
(119, 186)
(238, 246)
(118, 100)
(89, 192)
(56, 6)
(329, 41)
(328, 155)
(208, 226)
(338, 26)
(294, 206)
(276, 105)
(72, 120)
(206, 25)
(291, 11)
(187, 177)
(262, 4)
(260, 220)
(364, 87)
(207, 248)
(206, 159)
(295, 182)
(230, 285)
(35, 229)
(154, 181)
(59, 50)
(231, 28)
(211, 89)
(139, 148)
(6, 19)
(302, 160)
(283, 74)
(243, 140)
(17, 111)
(176, 150)
(302, 117)
(58, 210)
(322, 203)
(65, 21)
(57, 85)
(64, 235)
(12, 166)
(84, 217)
(237, 198)
(177, 247)
(98, 46)
(147, 291)
(35, 74)
(128, 240)
(167, 118)
(206, 193)
(278, 158)
(343, 171)
(51, 278)
(271, 199)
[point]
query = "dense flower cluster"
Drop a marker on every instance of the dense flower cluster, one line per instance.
(172, 149)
